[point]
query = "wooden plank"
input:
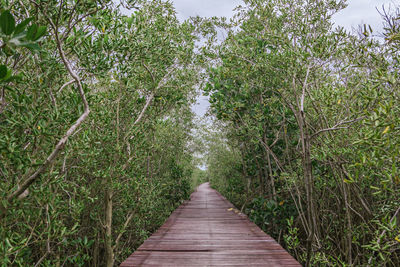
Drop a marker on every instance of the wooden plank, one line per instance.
(209, 231)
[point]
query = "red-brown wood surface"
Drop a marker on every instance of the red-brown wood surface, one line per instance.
(209, 231)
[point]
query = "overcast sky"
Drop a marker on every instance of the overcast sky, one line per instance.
(357, 12)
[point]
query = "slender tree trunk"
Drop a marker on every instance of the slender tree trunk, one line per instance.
(266, 169)
(108, 225)
(345, 192)
(260, 178)
(307, 167)
(244, 170)
(271, 176)
(349, 225)
(309, 185)
(270, 173)
(287, 158)
(267, 179)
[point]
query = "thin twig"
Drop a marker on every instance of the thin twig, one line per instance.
(123, 228)
(65, 85)
(382, 234)
(161, 84)
(304, 90)
(337, 126)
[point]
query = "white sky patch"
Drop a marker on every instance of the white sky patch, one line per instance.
(204, 8)
(362, 12)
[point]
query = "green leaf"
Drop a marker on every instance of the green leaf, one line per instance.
(32, 47)
(8, 75)
(21, 27)
(374, 187)
(40, 32)
(13, 78)
(8, 242)
(31, 32)
(7, 22)
(3, 71)
(129, 21)
(9, 88)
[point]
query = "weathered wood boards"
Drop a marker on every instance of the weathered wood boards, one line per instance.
(209, 231)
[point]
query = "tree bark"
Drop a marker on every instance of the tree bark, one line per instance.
(108, 225)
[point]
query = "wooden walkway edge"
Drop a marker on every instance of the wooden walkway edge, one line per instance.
(209, 231)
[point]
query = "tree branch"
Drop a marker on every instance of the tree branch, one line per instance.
(123, 228)
(61, 143)
(337, 126)
(304, 90)
(161, 84)
(65, 85)
(139, 118)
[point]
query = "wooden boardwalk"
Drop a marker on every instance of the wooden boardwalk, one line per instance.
(209, 231)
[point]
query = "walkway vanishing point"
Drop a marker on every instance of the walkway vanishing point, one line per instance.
(209, 231)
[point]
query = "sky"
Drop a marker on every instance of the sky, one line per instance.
(357, 12)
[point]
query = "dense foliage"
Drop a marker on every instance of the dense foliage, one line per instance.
(309, 119)
(95, 123)
(98, 143)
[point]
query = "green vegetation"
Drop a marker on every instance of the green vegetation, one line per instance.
(95, 121)
(98, 143)
(309, 119)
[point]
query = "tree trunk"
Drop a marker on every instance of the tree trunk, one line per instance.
(271, 176)
(309, 184)
(108, 226)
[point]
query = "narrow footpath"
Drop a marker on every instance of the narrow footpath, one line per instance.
(209, 231)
